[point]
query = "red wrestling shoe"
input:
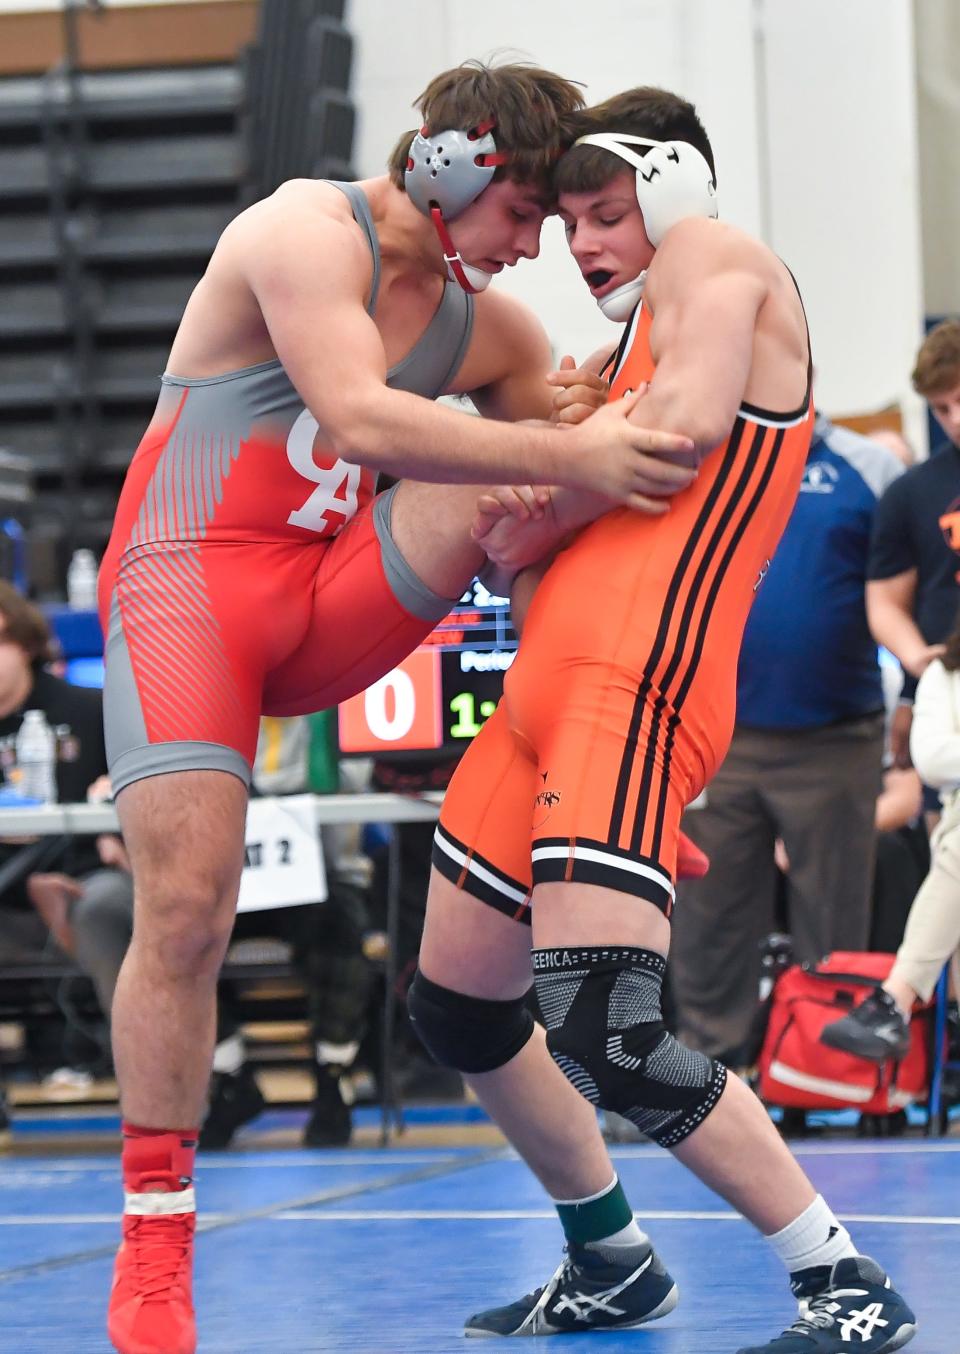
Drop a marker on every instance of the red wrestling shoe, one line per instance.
(151, 1304)
(692, 863)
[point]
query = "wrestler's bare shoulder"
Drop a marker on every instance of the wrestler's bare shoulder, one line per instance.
(732, 283)
(306, 216)
(703, 246)
(299, 241)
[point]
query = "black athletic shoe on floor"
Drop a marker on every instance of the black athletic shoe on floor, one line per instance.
(874, 1030)
(856, 1313)
(331, 1122)
(590, 1291)
(234, 1100)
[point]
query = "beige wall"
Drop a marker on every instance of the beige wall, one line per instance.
(938, 90)
(815, 146)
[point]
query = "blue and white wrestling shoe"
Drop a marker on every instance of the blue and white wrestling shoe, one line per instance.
(856, 1313)
(592, 1290)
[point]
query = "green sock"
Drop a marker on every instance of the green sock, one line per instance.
(604, 1217)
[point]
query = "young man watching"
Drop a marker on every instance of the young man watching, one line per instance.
(915, 550)
(564, 813)
(251, 571)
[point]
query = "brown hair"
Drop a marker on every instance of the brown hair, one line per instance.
(25, 624)
(530, 107)
(938, 361)
(646, 111)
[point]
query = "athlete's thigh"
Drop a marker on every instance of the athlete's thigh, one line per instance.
(477, 934)
(472, 948)
(191, 629)
(368, 611)
(430, 526)
(604, 844)
(609, 805)
(482, 843)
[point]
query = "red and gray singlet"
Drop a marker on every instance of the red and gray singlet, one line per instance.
(249, 570)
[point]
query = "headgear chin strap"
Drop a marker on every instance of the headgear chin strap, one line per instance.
(471, 279)
(673, 181)
(620, 304)
(444, 174)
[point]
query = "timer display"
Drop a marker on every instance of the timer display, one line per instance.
(439, 697)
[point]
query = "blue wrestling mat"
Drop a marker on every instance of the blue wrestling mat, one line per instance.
(389, 1250)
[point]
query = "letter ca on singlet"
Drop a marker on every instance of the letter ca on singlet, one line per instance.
(334, 501)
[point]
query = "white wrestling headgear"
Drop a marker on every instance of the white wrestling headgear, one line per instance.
(673, 181)
(444, 174)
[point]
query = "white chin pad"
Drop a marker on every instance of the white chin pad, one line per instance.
(619, 304)
(478, 279)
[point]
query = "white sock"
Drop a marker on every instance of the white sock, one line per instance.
(815, 1238)
(229, 1055)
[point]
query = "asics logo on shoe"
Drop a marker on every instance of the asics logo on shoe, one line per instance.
(583, 1305)
(863, 1322)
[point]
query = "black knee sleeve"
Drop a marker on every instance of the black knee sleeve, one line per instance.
(470, 1034)
(605, 1031)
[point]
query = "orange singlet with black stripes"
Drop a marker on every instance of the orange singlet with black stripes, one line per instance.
(620, 705)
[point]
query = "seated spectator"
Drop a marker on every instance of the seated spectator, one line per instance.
(805, 761)
(91, 917)
(878, 1028)
(75, 713)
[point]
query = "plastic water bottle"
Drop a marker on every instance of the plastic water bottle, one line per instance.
(37, 759)
(82, 581)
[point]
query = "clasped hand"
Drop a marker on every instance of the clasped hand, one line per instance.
(517, 525)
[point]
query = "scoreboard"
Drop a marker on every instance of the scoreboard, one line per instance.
(438, 698)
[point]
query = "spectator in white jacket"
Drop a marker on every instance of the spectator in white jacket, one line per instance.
(878, 1028)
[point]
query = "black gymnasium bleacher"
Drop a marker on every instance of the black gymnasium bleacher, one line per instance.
(114, 188)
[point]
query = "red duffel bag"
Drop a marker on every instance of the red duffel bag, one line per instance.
(796, 1071)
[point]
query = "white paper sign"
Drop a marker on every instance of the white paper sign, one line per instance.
(284, 866)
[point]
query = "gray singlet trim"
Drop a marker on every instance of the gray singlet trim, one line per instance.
(159, 759)
(364, 219)
(435, 359)
(410, 591)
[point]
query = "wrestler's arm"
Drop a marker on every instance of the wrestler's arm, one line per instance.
(512, 359)
(509, 361)
(513, 536)
(307, 271)
(705, 289)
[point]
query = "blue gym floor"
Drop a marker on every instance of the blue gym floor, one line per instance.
(389, 1250)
